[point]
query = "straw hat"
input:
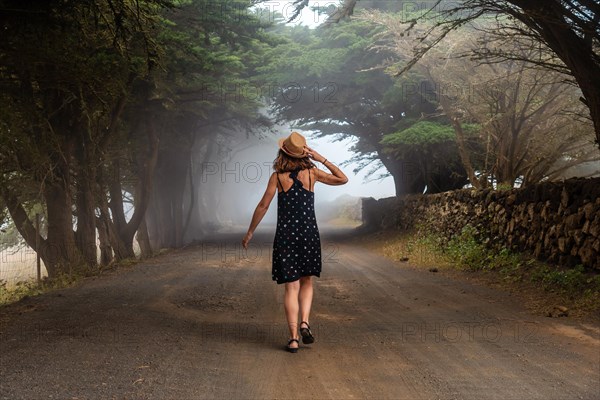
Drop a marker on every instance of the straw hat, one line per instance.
(293, 145)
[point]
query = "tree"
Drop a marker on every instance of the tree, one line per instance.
(99, 100)
(328, 83)
(570, 29)
(61, 110)
(431, 147)
(212, 49)
(529, 116)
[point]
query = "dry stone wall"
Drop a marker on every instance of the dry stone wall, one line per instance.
(557, 222)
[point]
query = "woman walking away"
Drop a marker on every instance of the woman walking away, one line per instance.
(297, 245)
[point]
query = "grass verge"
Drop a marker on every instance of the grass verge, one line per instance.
(29, 288)
(542, 286)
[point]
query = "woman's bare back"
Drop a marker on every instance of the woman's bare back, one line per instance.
(306, 176)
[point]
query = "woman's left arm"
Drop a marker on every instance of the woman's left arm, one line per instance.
(261, 208)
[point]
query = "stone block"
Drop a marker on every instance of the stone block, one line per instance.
(587, 255)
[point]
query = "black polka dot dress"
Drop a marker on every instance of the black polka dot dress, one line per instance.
(297, 245)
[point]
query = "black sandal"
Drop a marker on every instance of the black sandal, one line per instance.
(307, 336)
(292, 349)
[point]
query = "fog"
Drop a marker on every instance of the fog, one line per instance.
(240, 181)
(188, 149)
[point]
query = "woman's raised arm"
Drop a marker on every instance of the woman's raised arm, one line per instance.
(337, 177)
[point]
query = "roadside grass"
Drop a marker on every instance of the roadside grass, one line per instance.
(30, 287)
(466, 251)
(544, 285)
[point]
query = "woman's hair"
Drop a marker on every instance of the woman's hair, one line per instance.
(285, 163)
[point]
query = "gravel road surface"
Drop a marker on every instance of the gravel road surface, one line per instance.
(207, 321)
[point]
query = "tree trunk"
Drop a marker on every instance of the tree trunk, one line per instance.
(124, 231)
(407, 174)
(192, 193)
(116, 197)
(153, 219)
(167, 218)
(25, 227)
(106, 253)
(86, 219)
(62, 253)
(143, 239)
(181, 171)
(122, 247)
(592, 99)
(119, 247)
(178, 215)
(161, 218)
(143, 190)
(116, 244)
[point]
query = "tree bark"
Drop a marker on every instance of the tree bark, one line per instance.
(116, 197)
(124, 231)
(118, 223)
(144, 186)
(192, 189)
(144, 240)
(86, 219)
(407, 174)
(167, 208)
(106, 253)
(153, 219)
(62, 252)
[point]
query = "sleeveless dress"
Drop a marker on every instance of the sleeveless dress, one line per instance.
(297, 245)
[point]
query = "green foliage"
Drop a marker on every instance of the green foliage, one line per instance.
(18, 291)
(22, 289)
(431, 146)
(425, 133)
(330, 81)
(425, 246)
(466, 251)
(89, 88)
(565, 279)
(422, 133)
(504, 186)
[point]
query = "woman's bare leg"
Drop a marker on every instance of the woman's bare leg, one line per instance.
(291, 309)
(305, 297)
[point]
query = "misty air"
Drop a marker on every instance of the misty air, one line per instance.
(357, 199)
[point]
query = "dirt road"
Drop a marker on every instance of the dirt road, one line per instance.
(205, 322)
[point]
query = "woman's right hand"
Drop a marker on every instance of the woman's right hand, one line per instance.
(246, 239)
(312, 153)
